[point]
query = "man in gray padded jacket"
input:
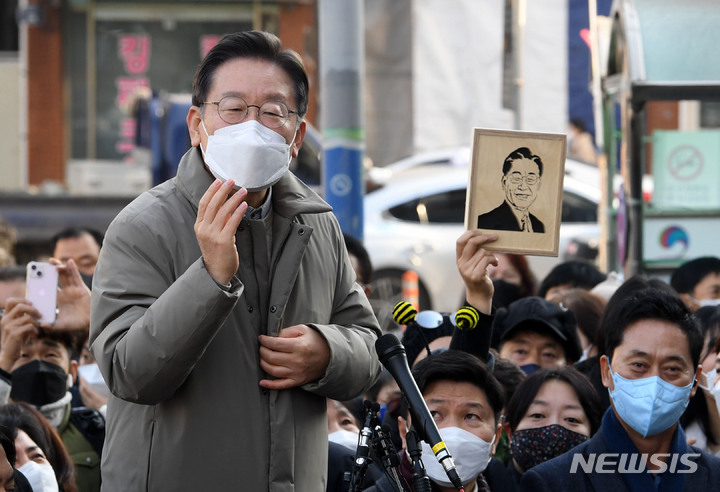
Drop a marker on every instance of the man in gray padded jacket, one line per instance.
(224, 305)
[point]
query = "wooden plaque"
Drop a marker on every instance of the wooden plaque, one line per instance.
(515, 189)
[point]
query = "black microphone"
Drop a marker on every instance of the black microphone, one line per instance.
(392, 355)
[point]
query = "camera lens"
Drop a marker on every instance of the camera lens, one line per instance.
(34, 267)
(39, 274)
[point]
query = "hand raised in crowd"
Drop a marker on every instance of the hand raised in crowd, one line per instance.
(90, 397)
(73, 300)
(219, 214)
(21, 318)
(297, 356)
(16, 325)
(473, 261)
(402, 432)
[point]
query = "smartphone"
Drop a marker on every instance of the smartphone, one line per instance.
(41, 289)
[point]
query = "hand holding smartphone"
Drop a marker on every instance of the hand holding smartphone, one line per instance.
(41, 289)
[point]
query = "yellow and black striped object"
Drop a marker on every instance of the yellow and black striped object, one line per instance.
(404, 313)
(466, 318)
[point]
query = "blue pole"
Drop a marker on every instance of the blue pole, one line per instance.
(342, 50)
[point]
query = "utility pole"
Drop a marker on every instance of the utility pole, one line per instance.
(342, 74)
(519, 18)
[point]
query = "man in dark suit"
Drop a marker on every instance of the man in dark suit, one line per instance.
(651, 369)
(521, 181)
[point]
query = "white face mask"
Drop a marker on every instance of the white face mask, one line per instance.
(711, 378)
(713, 385)
(707, 302)
(254, 156)
(470, 454)
(41, 477)
(585, 353)
(345, 438)
(92, 376)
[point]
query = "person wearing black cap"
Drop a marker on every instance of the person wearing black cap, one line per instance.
(419, 339)
(535, 333)
(530, 332)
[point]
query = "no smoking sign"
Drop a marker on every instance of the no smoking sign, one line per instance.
(685, 162)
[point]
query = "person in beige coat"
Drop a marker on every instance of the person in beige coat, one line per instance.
(224, 311)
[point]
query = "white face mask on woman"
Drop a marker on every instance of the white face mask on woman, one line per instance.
(713, 385)
(345, 438)
(707, 302)
(254, 156)
(41, 477)
(92, 376)
(470, 454)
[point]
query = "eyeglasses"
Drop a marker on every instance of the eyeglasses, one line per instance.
(233, 110)
(517, 178)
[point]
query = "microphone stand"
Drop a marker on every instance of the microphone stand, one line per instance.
(421, 482)
(385, 450)
(362, 454)
(392, 355)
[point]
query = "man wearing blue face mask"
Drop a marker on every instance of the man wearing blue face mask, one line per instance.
(650, 369)
(225, 308)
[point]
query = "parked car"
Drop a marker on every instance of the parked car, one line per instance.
(377, 176)
(414, 219)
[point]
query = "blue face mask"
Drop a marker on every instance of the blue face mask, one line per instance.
(649, 405)
(530, 368)
(381, 413)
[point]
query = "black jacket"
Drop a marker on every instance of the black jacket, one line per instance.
(502, 218)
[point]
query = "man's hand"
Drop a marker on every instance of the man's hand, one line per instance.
(472, 262)
(298, 355)
(217, 221)
(17, 324)
(402, 431)
(73, 300)
(90, 397)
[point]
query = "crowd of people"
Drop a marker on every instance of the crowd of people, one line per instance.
(53, 399)
(218, 336)
(589, 367)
